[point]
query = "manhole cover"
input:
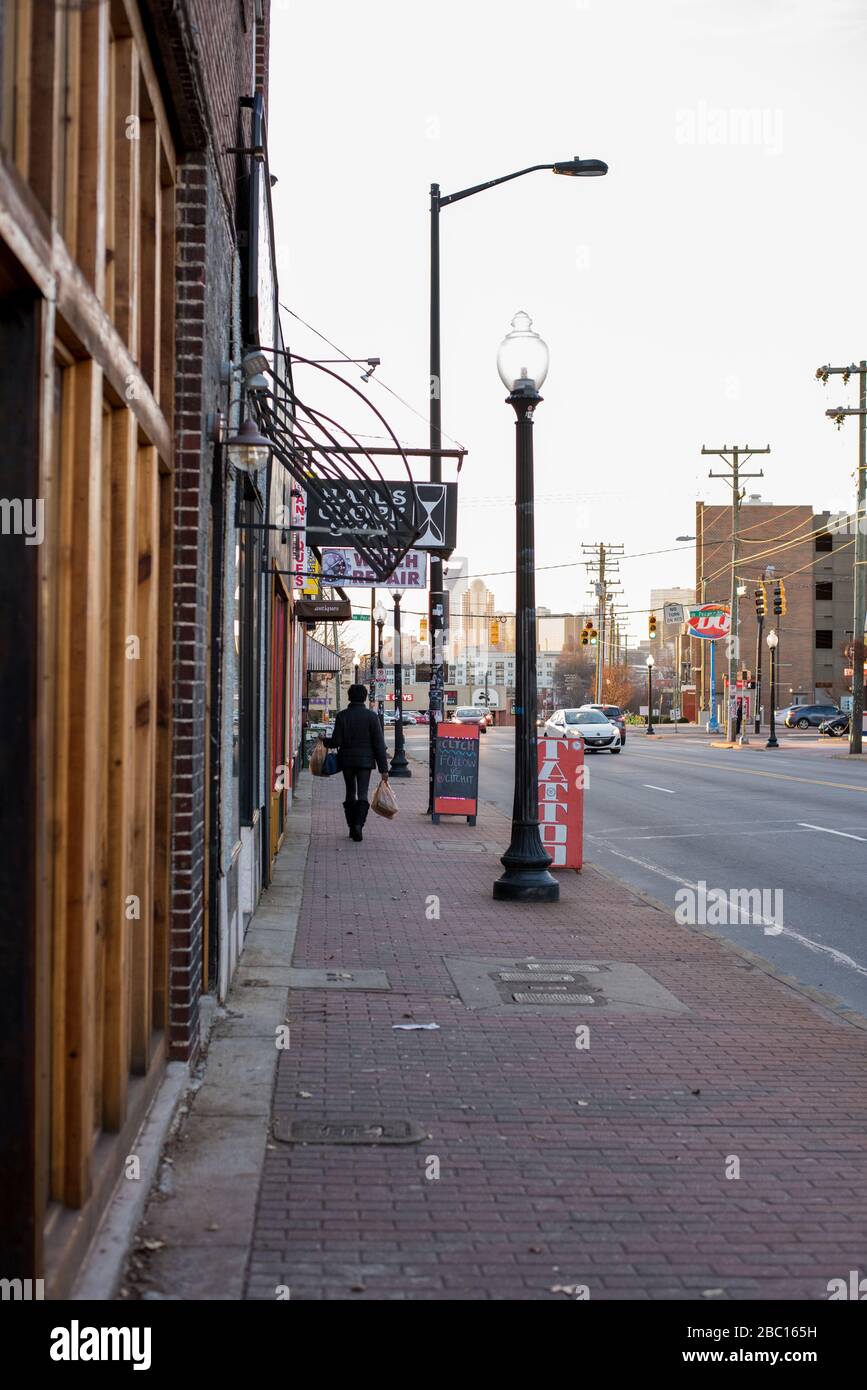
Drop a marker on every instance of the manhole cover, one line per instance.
(348, 1131)
(338, 978)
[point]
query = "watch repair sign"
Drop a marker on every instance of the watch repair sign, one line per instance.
(561, 800)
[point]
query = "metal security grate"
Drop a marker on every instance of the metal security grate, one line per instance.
(348, 1131)
(522, 978)
(534, 997)
(562, 965)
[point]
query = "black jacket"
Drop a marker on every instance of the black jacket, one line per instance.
(359, 739)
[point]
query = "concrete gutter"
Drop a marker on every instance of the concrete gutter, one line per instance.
(183, 1231)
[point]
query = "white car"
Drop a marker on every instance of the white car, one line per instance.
(597, 732)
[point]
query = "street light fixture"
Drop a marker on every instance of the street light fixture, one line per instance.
(522, 362)
(650, 665)
(773, 639)
(399, 765)
(248, 450)
(379, 619)
(570, 168)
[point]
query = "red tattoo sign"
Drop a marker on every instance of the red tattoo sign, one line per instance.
(561, 800)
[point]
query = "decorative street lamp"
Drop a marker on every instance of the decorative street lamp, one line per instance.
(248, 450)
(569, 168)
(522, 362)
(399, 766)
(379, 619)
(773, 639)
(650, 664)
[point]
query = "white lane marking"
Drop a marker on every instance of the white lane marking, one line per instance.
(839, 957)
(827, 831)
(652, 788)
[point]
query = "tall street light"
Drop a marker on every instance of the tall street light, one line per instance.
(379, 619)
(522, 362)
(773, 639)
(572, 168)
(399, 766)
(650, 664)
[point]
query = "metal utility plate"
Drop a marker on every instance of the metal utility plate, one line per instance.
(338, 977)
(609, 986)
(348, 1131)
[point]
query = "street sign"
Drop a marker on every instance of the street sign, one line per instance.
(361, 617)
(672, 613)
(710, 621)
(561, 800)
(456, 771)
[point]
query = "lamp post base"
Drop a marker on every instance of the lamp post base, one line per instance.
(772, 743)
(399, 767)
(526, 864)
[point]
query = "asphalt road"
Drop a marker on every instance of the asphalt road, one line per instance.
(672, 813)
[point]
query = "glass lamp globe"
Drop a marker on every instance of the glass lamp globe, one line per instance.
(522, 360)
(772, 639)
(379, 612)
(248, 450)
(650, 661)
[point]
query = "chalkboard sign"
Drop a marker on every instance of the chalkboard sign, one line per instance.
(456, 771)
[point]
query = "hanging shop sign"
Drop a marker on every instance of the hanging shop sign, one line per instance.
(321, 610)
(710, 621)
(456, 771)
(350, 570)
(341, 510)
(561, 800)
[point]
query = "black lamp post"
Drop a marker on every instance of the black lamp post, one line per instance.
(379, 618)
(523, 365)
(773, 639)
(399, 765)
(650, 729)
(574, 168)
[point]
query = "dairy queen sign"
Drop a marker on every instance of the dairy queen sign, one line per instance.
(710, 621)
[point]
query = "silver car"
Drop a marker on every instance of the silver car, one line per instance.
(597, 732)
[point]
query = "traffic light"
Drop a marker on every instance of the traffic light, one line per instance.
(593, 635)
(780, 599)
(495, 632)
(651, 625)
(761, 602)
(586, 631)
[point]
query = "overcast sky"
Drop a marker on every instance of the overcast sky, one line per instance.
(686, 298)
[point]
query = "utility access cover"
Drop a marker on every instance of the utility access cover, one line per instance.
(348, 1131)
(338, 978)
(500, 985)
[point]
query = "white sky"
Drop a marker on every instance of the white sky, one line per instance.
(686, 299)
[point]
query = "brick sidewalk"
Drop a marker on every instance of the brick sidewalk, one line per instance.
(603, 1167)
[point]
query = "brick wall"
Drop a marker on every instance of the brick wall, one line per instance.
(788, 533)
(210, 53)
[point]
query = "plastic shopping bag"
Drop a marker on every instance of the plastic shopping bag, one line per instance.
(383, 801)
(317, 759)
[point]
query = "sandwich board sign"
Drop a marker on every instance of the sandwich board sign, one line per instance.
(456, 771)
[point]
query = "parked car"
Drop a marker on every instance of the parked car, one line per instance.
(810, 716)
(409, 718)
(470, 714)
(422, 718)
(839, 724)
(597, 732)
(615, 714)
(389, 717)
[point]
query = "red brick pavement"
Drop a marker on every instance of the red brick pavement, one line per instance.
(602, 1167)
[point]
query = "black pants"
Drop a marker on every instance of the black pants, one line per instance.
(357, 781)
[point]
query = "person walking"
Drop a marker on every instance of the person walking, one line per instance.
(360, 745)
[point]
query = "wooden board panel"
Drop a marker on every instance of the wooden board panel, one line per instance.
(126, 191)
(163, 783)
(85, 722)
(121, 726)
(149, 288)
(93, 147)
(147, 547)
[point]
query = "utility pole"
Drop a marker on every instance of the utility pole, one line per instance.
(860, 576)
(734, 457)
(605, 566)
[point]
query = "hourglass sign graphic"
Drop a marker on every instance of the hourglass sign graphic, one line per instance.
(432, 497)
